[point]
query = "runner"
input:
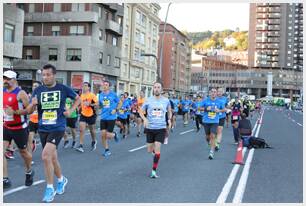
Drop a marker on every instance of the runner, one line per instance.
(89, 102)
(166, 95)
(108, 102)
(174, 112)
(126, 97)
(122, 116)
(236, 111)
(140, 102)
(246, 106)
(222, 115)
(15, 125)
(185, 104)
(199, 113)
(50, 100)
(156, 107)
(211, 119)
(71, 123)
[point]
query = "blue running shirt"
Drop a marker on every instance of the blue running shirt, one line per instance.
(211, 116)
(109, 102)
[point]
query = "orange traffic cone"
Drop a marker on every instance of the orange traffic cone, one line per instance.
(239, 155)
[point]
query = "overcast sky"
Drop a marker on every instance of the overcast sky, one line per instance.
(207, 16)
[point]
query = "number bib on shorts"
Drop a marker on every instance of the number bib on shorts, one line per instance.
(49, 117)
(121, 111)
(211, 115)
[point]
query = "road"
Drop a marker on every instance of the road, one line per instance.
(186, 174)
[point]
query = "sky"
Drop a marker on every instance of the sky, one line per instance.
(195, 17)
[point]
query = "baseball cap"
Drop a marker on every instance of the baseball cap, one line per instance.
(10, 74)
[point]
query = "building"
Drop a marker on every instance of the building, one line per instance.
(13, 19)
(276, 35)
(140, 36)
(83, 40)
(236, 79)
(176, 64)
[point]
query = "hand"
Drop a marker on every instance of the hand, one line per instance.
(67, 113)
(169, 124)
(9, 111)
(145, 123)
(113, 111)
(34, 101)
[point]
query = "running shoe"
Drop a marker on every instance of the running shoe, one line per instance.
(153, 174)
(6, 183)
(66, 144)
(138, 134)
(29, 178)
(93, 145)
(166, 140)
(116, 137)
(33, 145)
(80, 148)
(9, 155)
(211, 155)
(73, 144)
(106, 153)
(49, 195)
(60, 188)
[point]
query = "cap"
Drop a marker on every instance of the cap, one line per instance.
(10, 74)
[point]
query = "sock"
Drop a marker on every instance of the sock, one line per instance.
(155, 161)
(60, 179)
(50, 186)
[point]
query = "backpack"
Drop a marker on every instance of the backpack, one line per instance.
(246, 140)
(256, 142)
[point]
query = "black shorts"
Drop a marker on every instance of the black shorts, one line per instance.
(155, 135)
(89, 120)
(33, 127)
(71, 122)
(107, 125)
(123, 121)
(51, 137)
(19, 136)
(210, 128)
(221, 122)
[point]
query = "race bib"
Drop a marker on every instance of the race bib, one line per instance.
(121, 111)
(235, 117)
(106, 103)
(211, 115)
(7, 118)
(157, 114)
(49, 117)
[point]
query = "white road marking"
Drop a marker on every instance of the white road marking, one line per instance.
(21, 188)
(230, 180)
(245, 173)
(138, 148)
(186, 131)
(299, 124)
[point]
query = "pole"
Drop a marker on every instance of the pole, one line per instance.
(162, 46)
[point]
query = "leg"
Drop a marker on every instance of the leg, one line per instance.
(47, 157)
(103, 138)
(219, 134)
(56, 165)
(82, 132)
(30, 140)
(5, 146)
(92, 132)
(27, 156)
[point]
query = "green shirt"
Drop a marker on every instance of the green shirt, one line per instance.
(69, 104)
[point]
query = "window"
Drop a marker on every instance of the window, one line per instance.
(137, 73)
(115, 41)
(142, 58)
(101, 57)
(120, 22)
(125, 70)
(154, 45)
(29, 54)
(57, 7)
(74, 54)
(52, 54)
(136, 54)
(76, 30)
(100, 12)
(154, 29)
(155, 11)
(108, 59)
(150, 26)
(142, 38)
(30, 30)
(127, 31)
(100, 34)
(9, 33)
(138, 17)
(55, 30)
(78, 7)
(137, 36)
(31, 8)
(117, 62)
(126, 50)
(143, 20)
(152, 76)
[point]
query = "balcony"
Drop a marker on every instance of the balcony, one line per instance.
(274, 22)
(274, 28)
(87, 16)
(31, 64)
(113, 26)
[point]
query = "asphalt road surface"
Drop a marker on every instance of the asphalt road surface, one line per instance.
(186, 174)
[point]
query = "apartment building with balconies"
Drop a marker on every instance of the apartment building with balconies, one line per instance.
(83, 40)
(140, 36)
(276, 35)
